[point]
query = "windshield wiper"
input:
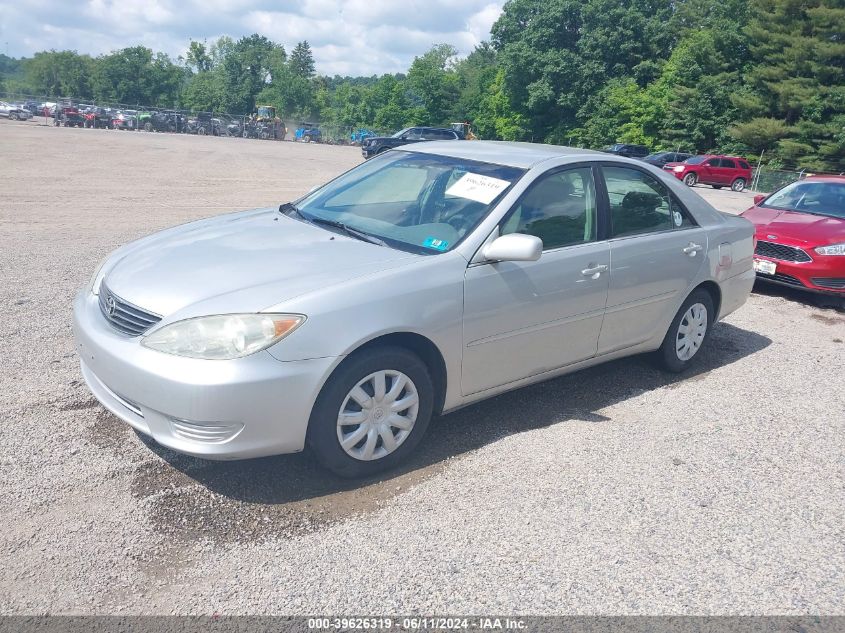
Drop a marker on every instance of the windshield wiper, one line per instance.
(361, 235)
(289, 208)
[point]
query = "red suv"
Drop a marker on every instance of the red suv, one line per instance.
(718, 171)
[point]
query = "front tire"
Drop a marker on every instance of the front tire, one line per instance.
(372, 412)
(690, 180)
(738, 184)
(688, 332)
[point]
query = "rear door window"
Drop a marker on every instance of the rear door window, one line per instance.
(728, 163)
(639, 203)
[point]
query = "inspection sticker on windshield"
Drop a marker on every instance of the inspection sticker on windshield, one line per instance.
(477, 187)
(438, 245)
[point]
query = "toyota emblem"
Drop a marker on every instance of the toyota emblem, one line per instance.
(111, 306)
(771, 237)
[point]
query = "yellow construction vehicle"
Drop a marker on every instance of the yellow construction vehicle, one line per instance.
(465, 129)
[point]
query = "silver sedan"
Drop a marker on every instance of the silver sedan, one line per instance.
(421, 281)
(14, 112)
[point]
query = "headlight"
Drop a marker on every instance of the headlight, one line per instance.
(833, 249)
(222, 337)
(678, 168)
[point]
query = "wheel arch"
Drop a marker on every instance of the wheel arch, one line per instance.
(420, 345)
(712, 288)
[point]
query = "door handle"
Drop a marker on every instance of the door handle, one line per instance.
(594, 272)
(692, 248)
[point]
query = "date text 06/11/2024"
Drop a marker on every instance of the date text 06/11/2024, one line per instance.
(416, 623)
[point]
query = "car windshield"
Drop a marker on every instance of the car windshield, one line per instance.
(821, 198)
(657, 155)
(399, 133)
(422, 203)
(695, 160)
(615, 147)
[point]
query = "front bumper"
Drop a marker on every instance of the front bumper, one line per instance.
(825, 274)
(247, 407)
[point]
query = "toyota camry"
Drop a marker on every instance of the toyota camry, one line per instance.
(421, 281)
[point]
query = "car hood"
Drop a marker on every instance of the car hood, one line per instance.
(243, 262)
(796, 227)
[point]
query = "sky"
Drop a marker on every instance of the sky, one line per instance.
(348, 37)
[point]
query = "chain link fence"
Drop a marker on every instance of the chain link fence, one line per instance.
(767, 179)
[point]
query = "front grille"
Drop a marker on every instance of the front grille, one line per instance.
(835, 283)
(784, 279)
(123, 316)
(782, 252)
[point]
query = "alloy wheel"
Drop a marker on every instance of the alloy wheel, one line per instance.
(377, 415)
(691, 331)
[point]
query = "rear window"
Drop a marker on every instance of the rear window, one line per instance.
(744, 165)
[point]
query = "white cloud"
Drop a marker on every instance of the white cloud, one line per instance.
(351, 37)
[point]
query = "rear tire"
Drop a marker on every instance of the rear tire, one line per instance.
(738, 184)
(148, 127)
(690, 180)
(403, 371)
(688, 332)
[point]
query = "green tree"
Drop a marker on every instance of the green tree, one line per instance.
(198, 57)
(302, 61)
(433, 84)
(59, 73)
(137, 76)
(245, 71)
(798, 49)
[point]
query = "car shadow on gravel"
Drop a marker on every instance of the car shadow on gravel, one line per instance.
(192, 499)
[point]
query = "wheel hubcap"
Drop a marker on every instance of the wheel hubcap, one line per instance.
(377, 415)
(691, 331)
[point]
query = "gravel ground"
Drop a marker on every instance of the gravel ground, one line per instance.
(617, 490)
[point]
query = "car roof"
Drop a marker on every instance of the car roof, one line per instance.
(825, 178)
(523, 155)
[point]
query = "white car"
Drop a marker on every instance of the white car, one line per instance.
(14, 112)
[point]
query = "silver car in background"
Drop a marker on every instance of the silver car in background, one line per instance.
(419, 282)
(14, 112)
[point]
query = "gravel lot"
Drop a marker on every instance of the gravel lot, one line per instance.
(615, 490)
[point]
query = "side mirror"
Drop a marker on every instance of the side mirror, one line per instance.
(514, 247)
(759, 198)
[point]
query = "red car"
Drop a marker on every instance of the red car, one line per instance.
(709, 169)
(800, 233)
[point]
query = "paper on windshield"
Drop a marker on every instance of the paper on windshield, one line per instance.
(477, 187)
